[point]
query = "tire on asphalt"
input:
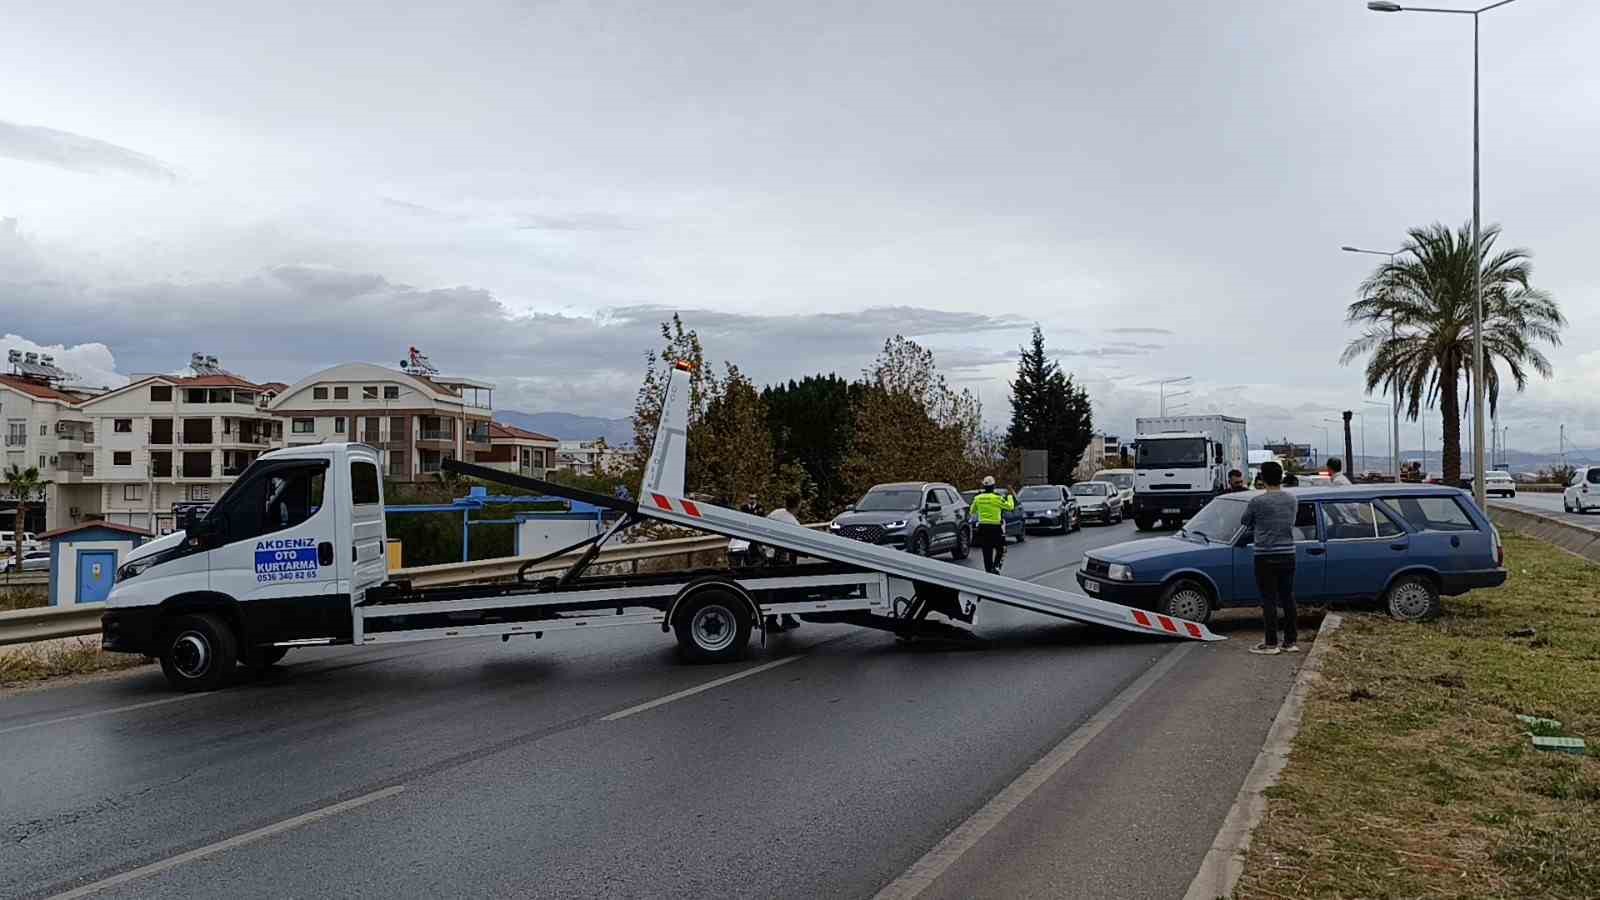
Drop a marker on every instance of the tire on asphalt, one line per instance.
(713, 626)
(1143, 523)
(919, 544)
(963, 547)
(198, 652)
(1186, 598)
(1412, 598)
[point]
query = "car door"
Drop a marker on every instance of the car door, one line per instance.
(1365, 545)
(937, 513)
(1442, 535)
(273, 550)
(1309, 553)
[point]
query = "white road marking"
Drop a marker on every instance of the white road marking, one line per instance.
(230, 843)
(947, 852)
(690, 692)
(102, 712)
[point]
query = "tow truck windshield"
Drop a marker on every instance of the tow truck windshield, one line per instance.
(1171, 453)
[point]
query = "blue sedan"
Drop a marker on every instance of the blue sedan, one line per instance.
(1403, 545)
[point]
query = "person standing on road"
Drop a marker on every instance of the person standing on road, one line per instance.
(1270, 514)
(783, 514)
(1236, 482)
(991, 509)
(1336, 469)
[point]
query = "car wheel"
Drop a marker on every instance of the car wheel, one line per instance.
(919, 543)
(1412, 598)
(1022, 534)
(963, 547)
(714, 626)
(1143, 523)
(1186, 599)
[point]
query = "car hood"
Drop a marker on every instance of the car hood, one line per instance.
(151, 548)
(874, 517)
(1147, 549)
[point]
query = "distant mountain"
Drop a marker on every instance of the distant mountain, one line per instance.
(569, 427)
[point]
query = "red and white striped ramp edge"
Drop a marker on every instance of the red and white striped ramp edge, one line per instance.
(1156, 623)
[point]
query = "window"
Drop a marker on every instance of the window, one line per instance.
(1594, 475)
(160, 393)
(1432, 513)
(43, 429)
(341, 393)
(1171, 453)
(369, 392)
(122, 426)
(391, 392)
(338, 424)
(319, 393)
(303, 426)
(1353, 520)
(397, 428)
(1305, 522)
(279, 497)
(364, 483)
(194, 395)
(199, 492)
(42, 462)
(122, 458)
(133, 492)
(197, 431)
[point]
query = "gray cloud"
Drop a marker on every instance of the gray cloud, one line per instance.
(575, 222)
(77, 153)
(1138, 331)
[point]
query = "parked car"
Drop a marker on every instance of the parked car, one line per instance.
(916, 516)
(32, 561)
(1583, 491)
(8, 542)
(1099, 501)
(1123, 479)
(1497, 483)
(1049, 506)
(1015, 521)
(1404, 545)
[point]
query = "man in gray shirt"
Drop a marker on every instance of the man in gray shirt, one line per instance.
(1270, 515)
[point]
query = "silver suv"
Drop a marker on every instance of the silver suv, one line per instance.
(922, 517)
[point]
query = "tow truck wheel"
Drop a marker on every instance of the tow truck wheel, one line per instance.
(198, 652)
(713, 626)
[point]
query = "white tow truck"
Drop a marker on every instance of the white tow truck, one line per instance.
(293, 555)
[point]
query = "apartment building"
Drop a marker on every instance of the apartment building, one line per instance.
(592, 457)
(518, 451)
(417, 420)
(164, 441)
(46, 430)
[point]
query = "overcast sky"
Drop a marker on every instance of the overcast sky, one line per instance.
(524, 189)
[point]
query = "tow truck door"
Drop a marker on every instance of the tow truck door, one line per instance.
(274, 539)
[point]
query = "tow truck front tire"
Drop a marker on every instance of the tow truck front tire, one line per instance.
(198, 652)
(713, 626)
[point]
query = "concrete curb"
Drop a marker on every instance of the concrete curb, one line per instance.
(1224, 862)
(1575, 539)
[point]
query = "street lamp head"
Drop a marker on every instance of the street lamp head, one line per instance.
(1351, 249)
(1382, 6)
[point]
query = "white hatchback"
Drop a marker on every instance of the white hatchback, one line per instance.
(1498, 483)
(1583, 491)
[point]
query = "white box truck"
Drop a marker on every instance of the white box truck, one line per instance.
(1181, 463)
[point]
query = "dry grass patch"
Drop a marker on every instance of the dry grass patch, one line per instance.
(53, 659)
(1411, 775)
(20, 597)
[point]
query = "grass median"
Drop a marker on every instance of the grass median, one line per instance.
(1412, 776)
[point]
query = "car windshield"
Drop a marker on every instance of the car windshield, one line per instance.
(1039, 492)
(891, 500)
(1123, 481)
(1163, 453)
(1089, 489)
(1219, 521)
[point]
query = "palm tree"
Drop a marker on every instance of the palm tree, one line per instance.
(23, 484)
(1417, 314)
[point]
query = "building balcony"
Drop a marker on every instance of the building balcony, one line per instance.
(73, 443)
(436, 439)
(72, 474)
(16, 440)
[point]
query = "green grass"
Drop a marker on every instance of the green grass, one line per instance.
(54, 659)
(1411, 775)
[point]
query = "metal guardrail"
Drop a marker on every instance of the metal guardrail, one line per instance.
(47, 622)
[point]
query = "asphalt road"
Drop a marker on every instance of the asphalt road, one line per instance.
(1550, 505)
(527, 768)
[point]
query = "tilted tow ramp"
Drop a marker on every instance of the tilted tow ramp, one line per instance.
(934, 586)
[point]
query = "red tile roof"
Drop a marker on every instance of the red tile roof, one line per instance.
(215, 381)
(512, 432)
(34, 388)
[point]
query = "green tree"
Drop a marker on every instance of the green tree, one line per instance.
(682, 345)
(1417, 317)
(811, 422)
(910, 424)
(1048, 411)
(24, 485)
(739, 458)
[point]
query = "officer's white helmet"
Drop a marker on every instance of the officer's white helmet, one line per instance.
(988, 481)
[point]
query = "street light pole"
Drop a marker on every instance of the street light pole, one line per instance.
(1477, 243)
(1394, 383)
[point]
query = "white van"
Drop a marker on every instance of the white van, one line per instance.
(1123, 479)
(8, 542)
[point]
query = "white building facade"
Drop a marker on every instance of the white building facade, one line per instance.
(45, 428)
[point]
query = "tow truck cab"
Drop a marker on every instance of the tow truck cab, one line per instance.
(280, 560)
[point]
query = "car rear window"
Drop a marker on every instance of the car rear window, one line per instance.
(1594, 476)
(1351, 520)
(1432, 513)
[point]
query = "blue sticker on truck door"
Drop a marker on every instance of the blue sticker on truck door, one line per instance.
(286, 559)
